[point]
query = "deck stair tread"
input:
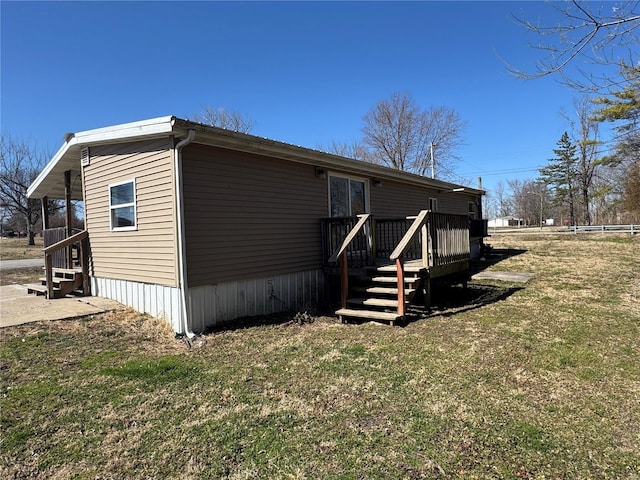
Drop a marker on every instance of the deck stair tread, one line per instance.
(66, 271)
(395, 279)
(63, 281)
(387, 290)
(373, 314)
(408, 268)
(374, 302)
(40, 289)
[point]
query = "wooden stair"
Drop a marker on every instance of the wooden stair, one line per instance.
(378, 294)
(65, 281)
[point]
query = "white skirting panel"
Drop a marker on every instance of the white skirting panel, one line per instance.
(212, 304)
(157, 300)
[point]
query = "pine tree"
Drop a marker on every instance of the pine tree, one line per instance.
(623, 108)
(561, 173)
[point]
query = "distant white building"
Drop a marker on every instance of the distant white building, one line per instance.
(504, 222)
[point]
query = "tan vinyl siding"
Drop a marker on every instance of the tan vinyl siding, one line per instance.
(249, 216)
(455, 202)
(147, 254)
(396, 200)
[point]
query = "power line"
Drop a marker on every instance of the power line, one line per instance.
(502, 172)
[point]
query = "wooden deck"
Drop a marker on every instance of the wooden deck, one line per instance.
(398, 259)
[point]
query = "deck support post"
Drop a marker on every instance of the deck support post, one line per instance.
(45, 212)
(48, 266)
(344, 279)
(67, 204)
(84, 263)
(425, 246)
(427, 290)
(401, 293)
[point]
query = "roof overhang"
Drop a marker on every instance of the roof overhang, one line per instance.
(263, 146)
(50, 182)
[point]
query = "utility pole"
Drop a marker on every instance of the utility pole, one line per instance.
(433, 162)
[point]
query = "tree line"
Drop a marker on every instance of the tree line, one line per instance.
(587, 180)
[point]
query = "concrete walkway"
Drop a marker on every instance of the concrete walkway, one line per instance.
(16, 307)
(516, 277)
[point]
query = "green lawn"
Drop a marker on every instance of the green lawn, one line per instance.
(540, 382)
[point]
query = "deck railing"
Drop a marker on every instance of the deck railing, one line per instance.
(360, 249)
(418, 227)
(342, 253)
(51, 236)
(389, 233)
(83, 239)
(449, 236)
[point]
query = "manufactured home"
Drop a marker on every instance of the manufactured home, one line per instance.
(199, 225)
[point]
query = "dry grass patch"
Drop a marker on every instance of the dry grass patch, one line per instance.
(538, 382)
(21, 275)
(18, 248)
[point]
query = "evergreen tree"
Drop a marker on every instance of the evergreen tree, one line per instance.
(561, 173)
(623, 107)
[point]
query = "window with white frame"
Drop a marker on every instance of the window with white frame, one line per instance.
(122, 205)
(433, 204)
(347, 196)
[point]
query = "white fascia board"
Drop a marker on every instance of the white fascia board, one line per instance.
(50, 166)
(144, 128)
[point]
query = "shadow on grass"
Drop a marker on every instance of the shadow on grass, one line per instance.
(452, 300)
(493, 257)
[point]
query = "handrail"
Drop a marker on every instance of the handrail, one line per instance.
(66, 242)
(349, 238)
(417, 224)
(83, 238)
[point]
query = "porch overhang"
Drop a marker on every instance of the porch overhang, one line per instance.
(50, 183)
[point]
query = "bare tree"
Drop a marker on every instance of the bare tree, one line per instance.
(401, 135)
(504, 203)
(20, 164)
(601, 33)
(355, 150)
(222, 118)
(585, 131)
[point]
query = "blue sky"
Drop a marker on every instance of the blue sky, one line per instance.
(305, 72)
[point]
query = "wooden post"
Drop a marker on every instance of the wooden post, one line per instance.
(372, 240)
(45, 212)
(427, 290)
(425, 246)
(344, 279)
(84, 262)
(48, 266)
(401, 295)
(67, 202)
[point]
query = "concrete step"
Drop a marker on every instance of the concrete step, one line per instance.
(370, 314)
